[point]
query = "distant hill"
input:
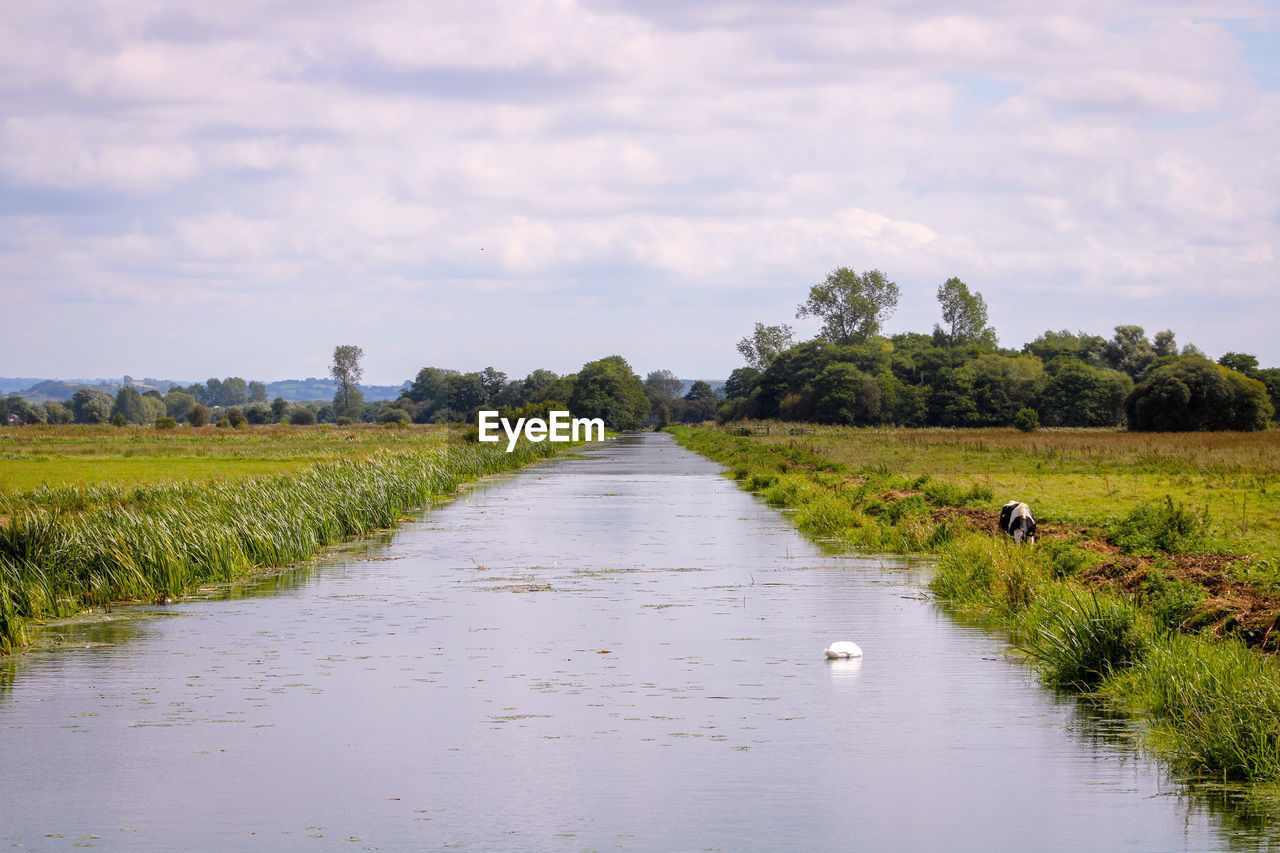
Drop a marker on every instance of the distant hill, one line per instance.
(293, 390)
(12, 385)
(305, 390)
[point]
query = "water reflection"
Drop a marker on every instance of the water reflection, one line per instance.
(616, 651)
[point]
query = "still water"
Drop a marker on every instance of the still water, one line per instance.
(616, 651)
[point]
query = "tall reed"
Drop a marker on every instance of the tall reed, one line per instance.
(62, 550)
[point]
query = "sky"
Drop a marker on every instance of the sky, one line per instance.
(192, 189)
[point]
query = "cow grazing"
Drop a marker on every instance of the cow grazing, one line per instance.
(1016, 520)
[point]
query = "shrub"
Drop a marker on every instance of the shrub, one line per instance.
(223, 423)
(236, 417)
(301, 416)
(392, 414)
(1155, 526)
(1172, 601)
(1026, 420)
(199, 416)
(166, 423)
(118, 420)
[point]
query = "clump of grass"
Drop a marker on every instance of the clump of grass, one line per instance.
(952, 494)
(1160, 526)
(1077, 639)
(1215, 706)
(984, 572)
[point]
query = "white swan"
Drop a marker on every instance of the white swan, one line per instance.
(843, 649)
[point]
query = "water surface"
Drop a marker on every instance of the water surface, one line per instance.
(617, 651)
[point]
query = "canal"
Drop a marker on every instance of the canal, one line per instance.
(614, 650)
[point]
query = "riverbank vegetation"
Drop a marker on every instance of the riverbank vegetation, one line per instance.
(1154, 586)
(66, 545)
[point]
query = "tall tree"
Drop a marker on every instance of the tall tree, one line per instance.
(662, 383)
(851, 305)
(764, 344)
(964, 313)
(608, 389)
(346, 371)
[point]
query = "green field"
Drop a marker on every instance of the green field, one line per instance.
(33, 456)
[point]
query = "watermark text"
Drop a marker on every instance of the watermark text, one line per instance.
(559, 427)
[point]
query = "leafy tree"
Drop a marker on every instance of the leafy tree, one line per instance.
(153, 407)
(1082, 396)
(91, 406)
(258, 413)
(843, 394)
(740, 382)
(492, 382)
(257, 392)
(662, 384)
(430, 390)
(901, 403)
(234, 392)
(178, 405)
(700, 391)
(212, 395)
(1002, 385)
(1240, 362)
(128, 404)
(346, 371)
(608, 389)
(466, 396)
(198, 416)
(951, 399)
(302, 416)
(236, 417)
(1164, 344)
(1196, 394)
(15, 405)
(764, 344)
(852, 306)
(278, 409)
(965, 314)
(1052, 346)
(57, 413)
(1130, 352)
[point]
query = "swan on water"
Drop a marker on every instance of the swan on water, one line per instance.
(843, 649)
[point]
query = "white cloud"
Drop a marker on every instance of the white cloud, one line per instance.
(466, 167)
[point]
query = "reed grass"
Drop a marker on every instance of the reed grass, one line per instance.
(66, 548)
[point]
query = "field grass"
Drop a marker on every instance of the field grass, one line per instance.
(32, 456)
(1153, 586)
(152, 524)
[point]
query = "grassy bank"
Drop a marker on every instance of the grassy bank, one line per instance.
(1145, 591)
(64, 548)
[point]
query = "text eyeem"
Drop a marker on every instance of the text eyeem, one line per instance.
(560, 427)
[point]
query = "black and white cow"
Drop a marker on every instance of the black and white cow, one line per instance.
(1017, 521)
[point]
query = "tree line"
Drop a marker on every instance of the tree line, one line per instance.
(958, 376)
